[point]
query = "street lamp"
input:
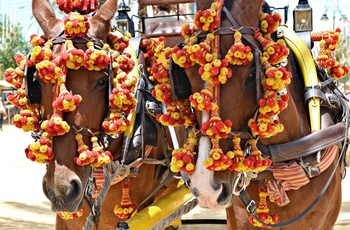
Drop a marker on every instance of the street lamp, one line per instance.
(302, 23)
(324, 17)
(124, 22)
(342, 17)
(302, 17)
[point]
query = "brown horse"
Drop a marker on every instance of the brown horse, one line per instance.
(237, 101)
(66, 181)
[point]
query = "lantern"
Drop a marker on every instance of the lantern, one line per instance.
(302, 17)
(123, 21)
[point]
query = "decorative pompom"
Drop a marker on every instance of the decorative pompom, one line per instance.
(218, 161)
(182, 57)
(208, 20)
(239, 163)
(183, 159)
(18, 99)
(26, 120)
(239, 54)
(48, 71)
(163, 93)
(216, 72)
(95, 157)
(202, 53)
(40, 151)
(119, 43)
(71, 216)
(202, 101)
(66, 101)
(95, 59)
(269, 22)
(215, 128)
(172, 116)
(56, 126)
(275, 52)
(73, 58)
(40, 53)
(115, 123)
(83, 6)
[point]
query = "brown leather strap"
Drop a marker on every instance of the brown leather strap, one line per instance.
(231, 30)
(307, 145)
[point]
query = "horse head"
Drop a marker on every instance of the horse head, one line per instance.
(236, 100)
(65, 178)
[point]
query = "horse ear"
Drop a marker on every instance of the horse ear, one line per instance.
(45, 16)
(100, 23)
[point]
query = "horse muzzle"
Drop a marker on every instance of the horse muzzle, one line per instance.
(216, 199)
(64, 190)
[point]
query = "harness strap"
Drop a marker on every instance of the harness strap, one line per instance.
(135, 43)
(306, 145)
(83, 131)
(62, 39)
(249, 204)
(231, 30)
(312, 92)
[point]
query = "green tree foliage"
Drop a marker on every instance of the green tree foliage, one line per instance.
(12, 41)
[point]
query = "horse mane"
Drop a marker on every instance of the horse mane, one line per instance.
(297, 77)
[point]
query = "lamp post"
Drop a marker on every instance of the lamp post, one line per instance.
(123, 21)
(336, 10)
(302, 23)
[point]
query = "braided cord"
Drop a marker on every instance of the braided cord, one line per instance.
(110, 171)
(176, 215)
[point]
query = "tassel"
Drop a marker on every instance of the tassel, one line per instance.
(126, 206)
(71, 216)
(263, 212)
(239, 54)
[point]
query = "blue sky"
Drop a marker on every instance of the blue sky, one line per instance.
(20, 11)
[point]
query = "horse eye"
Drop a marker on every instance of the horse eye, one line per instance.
(251, 77)
(103, 81)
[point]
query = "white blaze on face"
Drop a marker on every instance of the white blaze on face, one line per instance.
(202, 180)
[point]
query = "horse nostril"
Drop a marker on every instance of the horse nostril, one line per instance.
(75, 189)
(225, 194)
(195, 192)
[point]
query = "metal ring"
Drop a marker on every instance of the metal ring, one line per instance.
(241, 178)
